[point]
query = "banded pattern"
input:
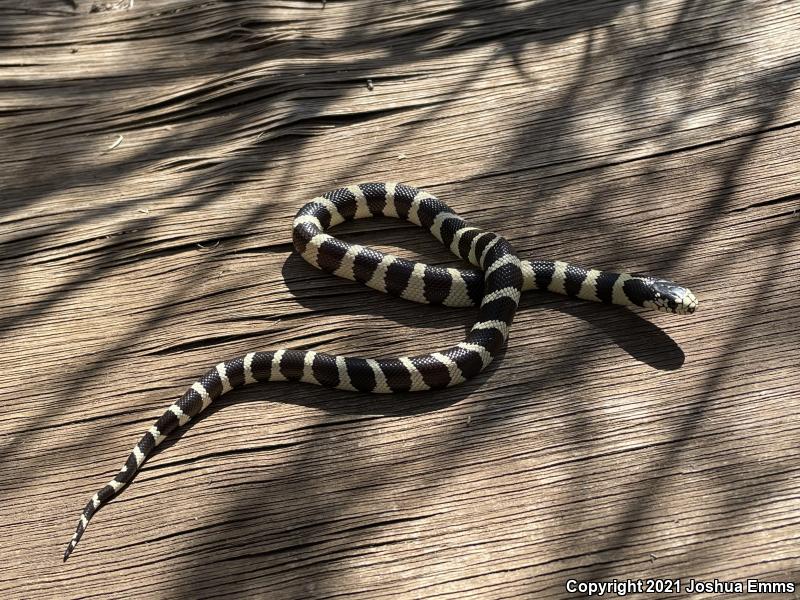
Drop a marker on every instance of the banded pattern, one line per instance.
(494, 286)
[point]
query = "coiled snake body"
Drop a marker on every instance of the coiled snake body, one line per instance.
(495, 287)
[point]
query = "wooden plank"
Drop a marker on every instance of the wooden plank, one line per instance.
(604, 444)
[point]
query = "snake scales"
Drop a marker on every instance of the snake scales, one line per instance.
(495, 286)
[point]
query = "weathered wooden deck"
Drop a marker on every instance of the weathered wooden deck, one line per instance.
(660, 137)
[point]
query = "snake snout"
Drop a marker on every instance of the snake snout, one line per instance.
(673, 298)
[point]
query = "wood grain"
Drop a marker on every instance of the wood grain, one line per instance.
(152, 159)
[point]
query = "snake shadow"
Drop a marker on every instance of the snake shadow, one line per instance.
(640, 338)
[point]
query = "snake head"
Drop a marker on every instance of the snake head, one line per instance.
(665, 296)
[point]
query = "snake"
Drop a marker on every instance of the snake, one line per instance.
(494, 285)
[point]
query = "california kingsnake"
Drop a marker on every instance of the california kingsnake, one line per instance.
(495, 287)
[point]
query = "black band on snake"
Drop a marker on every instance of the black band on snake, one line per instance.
(494, 286)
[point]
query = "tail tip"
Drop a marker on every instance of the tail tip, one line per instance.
(68, 551)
